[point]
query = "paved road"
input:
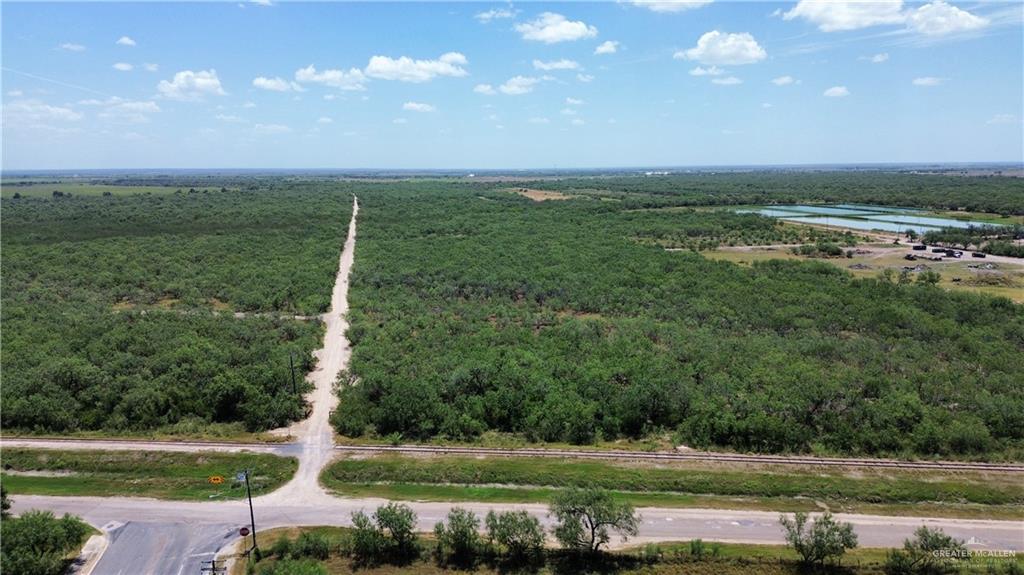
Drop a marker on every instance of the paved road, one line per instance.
(658, 524)
(151, 548)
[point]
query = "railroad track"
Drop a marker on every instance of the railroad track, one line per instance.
(688, 456)
(704, 456)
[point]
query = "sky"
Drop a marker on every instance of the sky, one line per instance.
(267, 84)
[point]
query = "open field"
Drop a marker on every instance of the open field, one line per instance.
(163, 475)
(767, 487)
(39, 190)
(993, 275)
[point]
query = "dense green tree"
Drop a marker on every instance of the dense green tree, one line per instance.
(36, 542)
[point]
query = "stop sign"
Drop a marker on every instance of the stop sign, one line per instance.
(243, 531)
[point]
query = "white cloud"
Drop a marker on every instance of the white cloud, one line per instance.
(494, 14)
(275, 84)
(229, 118)
(261, 2)
(1002, 119)
(539, 121)
(709, 71)
(569, 112)
(519, 85)
(729, 81)
(837, 15)
(485, 89)
(123, 67)
(324, 120)
(150, 67)
(15, 93)
(578, 122)
(271, 129)
(574, 101)
(719, 48)
(939, 18)
(406, 69)
(353, 80)
(399, 121)
(879, 58)
(418, 107)
(249, 105)
(21, 112)
(927, 81)
(125, 41)
(766, 105)
(191, 86)
(670, 5)
(585, 78)
(130, 111)
(563, 64)
(607, 47)
(837, 92)
(783, 80)
(72, 47)
(551, 28)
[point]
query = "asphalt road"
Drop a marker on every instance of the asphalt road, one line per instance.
(658, 524)
(151, 548)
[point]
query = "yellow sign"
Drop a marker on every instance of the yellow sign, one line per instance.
(216, 479)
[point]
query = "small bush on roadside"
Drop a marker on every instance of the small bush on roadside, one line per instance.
(517, 531)
(312, 545)
(457, 537)
(294, 567)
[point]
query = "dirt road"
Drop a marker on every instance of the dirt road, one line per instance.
(314, 434)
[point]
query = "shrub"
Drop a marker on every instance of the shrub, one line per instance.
(36, 542)
(458, 535)
(311, 544)
(930, 552)
(281, 548)
(293, 567)
(517, 531)
(368, 543)
(825, 539)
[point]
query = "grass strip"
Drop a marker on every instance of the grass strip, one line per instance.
(163, 475)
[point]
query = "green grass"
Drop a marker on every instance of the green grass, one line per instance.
(163, 475)
(39, 190)
(519, 480)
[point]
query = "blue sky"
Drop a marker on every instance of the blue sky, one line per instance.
(524, 85)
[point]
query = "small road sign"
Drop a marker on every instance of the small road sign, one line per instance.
(216, 479)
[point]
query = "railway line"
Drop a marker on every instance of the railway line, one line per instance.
(292, 448)
(688, 456)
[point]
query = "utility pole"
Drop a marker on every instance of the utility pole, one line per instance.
(291, 366)
(252, 517)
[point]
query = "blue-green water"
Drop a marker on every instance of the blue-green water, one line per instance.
(863, 217)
